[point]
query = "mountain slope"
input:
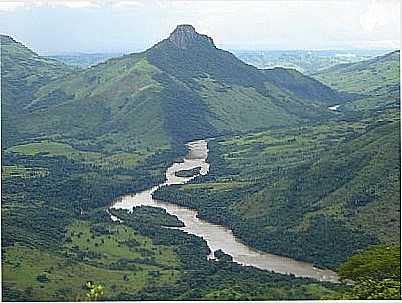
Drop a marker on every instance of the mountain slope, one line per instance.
(181, 89)
(197, 62)
(81, 141)
(316, 193)
(23, 68)
(375, 81)
(22, 73)
(117, 101)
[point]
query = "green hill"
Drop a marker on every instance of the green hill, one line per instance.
(287, 175)
(181, 89)
(314, 192)
(22, 73)
(375, 82)
(75, 140)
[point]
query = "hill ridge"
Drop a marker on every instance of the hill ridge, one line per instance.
(188, 87)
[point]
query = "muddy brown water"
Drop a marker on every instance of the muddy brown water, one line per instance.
(216, 236)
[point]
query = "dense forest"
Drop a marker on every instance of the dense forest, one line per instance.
(138, 259)
(287, 175)
(309, 193)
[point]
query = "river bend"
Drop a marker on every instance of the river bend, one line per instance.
(216, 236)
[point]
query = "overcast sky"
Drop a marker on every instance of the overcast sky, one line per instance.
(123, 26)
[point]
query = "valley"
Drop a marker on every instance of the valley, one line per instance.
(290, 166)
(132, 173)
(217, 237)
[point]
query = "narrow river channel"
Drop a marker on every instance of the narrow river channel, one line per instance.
(218, 237)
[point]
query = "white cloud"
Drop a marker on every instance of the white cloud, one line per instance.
(7, 6)
(237, 23)
(380, 14)
(127, 4)
(75, 4)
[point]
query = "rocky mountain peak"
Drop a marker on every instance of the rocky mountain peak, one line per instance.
(185, 35)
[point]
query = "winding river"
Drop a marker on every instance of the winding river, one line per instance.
(216, 236)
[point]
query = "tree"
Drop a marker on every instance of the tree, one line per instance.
(375, 274)
(379, 262)
(95, 292)
(370, 289)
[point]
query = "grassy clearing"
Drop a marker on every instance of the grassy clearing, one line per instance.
(112, 260)
(111, 244)
(257, 154)
(123, 159)
(21, 171)
(50, 148)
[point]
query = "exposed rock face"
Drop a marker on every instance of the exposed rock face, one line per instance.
(185, 35)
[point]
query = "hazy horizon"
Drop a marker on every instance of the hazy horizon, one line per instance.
(374, 50)
(104, 26)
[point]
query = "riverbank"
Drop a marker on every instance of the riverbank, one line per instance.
(298, 192)
(216, 236)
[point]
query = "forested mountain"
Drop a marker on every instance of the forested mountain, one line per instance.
(375, 83)
(22, 73)
(315, 192)
(183, 88)
(287, 175)
(75, 140)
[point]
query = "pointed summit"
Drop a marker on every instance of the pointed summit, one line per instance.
(185, 36)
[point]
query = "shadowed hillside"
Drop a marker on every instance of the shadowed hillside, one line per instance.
(181, 89)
